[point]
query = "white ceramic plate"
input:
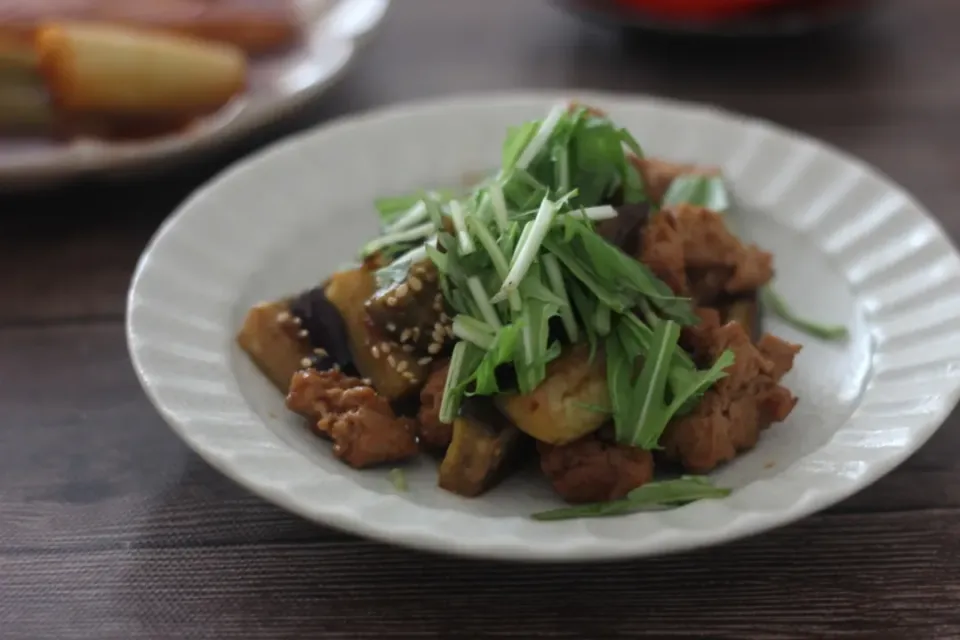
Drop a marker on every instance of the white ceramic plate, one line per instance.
(851, 247)
(334, 32)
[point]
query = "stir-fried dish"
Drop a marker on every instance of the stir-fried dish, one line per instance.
(584, 306)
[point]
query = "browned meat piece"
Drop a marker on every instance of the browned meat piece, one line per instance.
(662, 251)
(591, 470)
(434, 433)
(731, 415)
(364, 429)
(691, 250)
(658, 175)
(708, 244)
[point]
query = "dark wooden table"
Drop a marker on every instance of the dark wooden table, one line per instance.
(111, 528)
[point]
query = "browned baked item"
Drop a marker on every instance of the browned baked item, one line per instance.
(253, 25)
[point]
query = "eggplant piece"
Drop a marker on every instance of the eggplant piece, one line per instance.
(272, 339)
(626, 230)
(394, 372)
(746, 311)
(410, 309)
(563, 408)
(483, 451)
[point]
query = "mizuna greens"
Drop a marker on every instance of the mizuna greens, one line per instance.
(521, 252)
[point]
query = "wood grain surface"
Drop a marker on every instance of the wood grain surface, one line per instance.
(110, 528)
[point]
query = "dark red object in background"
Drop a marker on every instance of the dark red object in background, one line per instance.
(699, 9)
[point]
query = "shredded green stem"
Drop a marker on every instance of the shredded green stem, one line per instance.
(775, 302)
(555, 276)
(473, 330)
(460, 225)
(527, 251)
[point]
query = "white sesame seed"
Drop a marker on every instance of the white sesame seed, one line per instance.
(416, 333)
(424, 361)
(391, 327)
(416, 283)
(386, 347)
(282, 317)
(444, 317)
(402, 366)
(321, 352)
(438, 335)
(403, 290)
(449, 332)
(375, 352)
(408, 348)
(391, 301)
(434, 348)
(306, 363)
(406, 335)
(302, 333)
(409, 376)
(368, 382)
(392, 361)
(295, 320)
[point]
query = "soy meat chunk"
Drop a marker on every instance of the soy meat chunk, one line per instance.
(594, 470)
(363, 427)
(731, 415)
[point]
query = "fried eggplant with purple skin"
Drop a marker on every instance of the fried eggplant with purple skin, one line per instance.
(484, 449)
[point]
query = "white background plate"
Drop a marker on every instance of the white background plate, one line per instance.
(850, 247)
(334, 31)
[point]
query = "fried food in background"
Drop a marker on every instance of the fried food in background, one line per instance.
(108, 81)
(118, 71)
(255, 26)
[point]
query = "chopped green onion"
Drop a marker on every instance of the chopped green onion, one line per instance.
(439, 259)
(527, 251)
(490, 246)
(472, 330)
(483, 302)
(495, 193)
(598, 213)
(434, 211)
(775, 302)
(667, 493)
(414, 214)
(536, 144)
(562, 168)
(408, 235)
(555, 278)
(463, 361)
(460, 226)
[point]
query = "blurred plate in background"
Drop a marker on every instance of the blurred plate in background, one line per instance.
(781, 19)
(335, 30)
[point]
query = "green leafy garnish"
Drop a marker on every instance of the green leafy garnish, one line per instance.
(648, 410)
(521, 254)
(705, 191)
(392, 208)
(775, 303)
(667, 493)
(399, 480)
